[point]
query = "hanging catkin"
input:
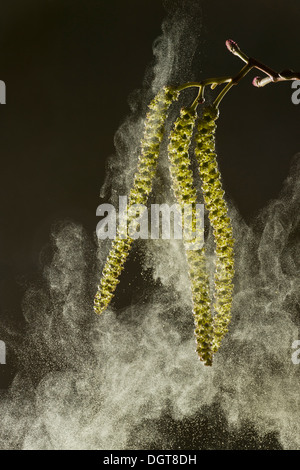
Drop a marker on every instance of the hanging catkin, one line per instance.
(185, 193)
(147, 163)
(221, 224)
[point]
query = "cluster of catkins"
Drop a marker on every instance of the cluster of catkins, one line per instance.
(211, 324)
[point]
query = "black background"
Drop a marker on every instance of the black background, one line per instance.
(69, 67)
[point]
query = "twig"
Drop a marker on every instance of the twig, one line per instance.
(271, 77)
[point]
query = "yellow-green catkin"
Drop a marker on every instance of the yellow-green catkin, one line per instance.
(185, 193)
(147, 163)
(221, 223)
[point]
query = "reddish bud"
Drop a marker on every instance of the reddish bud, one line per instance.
(232, 46)
(256, 81)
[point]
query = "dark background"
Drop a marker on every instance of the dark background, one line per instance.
(69, 67)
